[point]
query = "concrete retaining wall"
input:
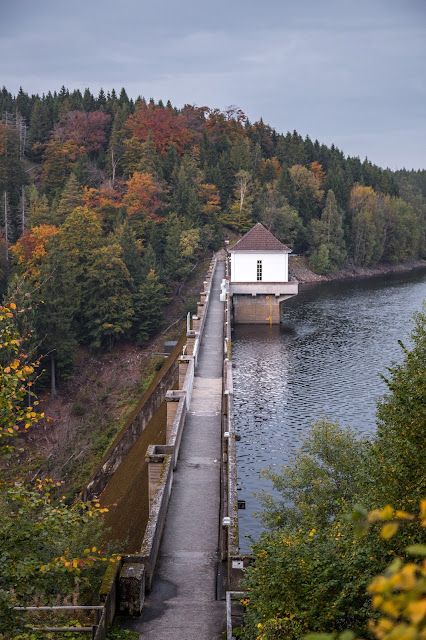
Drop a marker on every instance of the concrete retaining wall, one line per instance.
(151, 400)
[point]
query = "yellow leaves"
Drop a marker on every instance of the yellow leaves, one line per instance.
(387, 513)
(403, 515)
(399, 594)
(417, 611)
(406, 578)
(389, 530)
(376, 601)
(423, 512)
(390, 608)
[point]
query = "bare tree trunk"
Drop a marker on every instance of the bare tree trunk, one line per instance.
(23, 209)
(6, 227)
(52, 374)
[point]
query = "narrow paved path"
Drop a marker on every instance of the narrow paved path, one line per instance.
(182, 604)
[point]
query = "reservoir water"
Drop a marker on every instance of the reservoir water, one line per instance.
(324, 360)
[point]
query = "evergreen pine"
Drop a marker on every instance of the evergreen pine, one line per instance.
(70, 199)
(55, 314)
(149, 302)
(328, 249)
(107, 301)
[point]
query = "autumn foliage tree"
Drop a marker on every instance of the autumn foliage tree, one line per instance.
(17, 371)
(31, 250)
(210, 202)
(163, 124)
(45, 554)
(87, 130)
(142, 201)
(59, 159)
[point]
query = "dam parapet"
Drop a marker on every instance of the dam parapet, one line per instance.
(230, 548)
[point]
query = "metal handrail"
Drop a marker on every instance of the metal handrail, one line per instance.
(92, 629)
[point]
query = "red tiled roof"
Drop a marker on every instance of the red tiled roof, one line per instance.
(259, 239)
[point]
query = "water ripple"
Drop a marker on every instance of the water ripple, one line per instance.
(324, 360)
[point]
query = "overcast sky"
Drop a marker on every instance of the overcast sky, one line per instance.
(352, 73)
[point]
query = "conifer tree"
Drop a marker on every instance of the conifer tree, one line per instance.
(107, 309)
(12, 174)
(328, 248)
(40, 127)
(38, 211)
(149, 302)
(70, 199)
(185, 199)
(170, 162)
(81, 236)
(241, 157)
(176, 265)
(150, 161)
(116, 147)
(285, 186)
(56, 311)
(89, 103)
(149, 262)
(131, 251)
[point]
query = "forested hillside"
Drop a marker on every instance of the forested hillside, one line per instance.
(107, 203)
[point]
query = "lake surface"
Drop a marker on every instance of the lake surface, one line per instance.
(324, 360)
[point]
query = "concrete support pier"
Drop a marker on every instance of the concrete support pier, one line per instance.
(182, 604)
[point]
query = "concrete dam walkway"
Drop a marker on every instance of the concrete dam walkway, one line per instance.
(182, 604)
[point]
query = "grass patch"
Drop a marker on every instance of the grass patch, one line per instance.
(117, 633)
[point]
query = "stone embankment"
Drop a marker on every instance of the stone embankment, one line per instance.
(299, 270)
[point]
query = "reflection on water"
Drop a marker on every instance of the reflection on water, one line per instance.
(324, 360)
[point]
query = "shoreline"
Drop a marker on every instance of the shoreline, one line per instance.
(299, 271)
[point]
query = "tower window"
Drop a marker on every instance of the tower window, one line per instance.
(259, 269)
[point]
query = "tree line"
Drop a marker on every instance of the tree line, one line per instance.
(107, 203)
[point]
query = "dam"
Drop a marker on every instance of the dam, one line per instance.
(192, 554)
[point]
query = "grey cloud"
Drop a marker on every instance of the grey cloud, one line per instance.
(342, 72)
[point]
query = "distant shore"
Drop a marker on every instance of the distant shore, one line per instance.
(299, 270)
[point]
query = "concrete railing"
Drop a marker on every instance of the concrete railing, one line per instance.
(156, 457)
(230, 499)
(236, 563)
(162, 461)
